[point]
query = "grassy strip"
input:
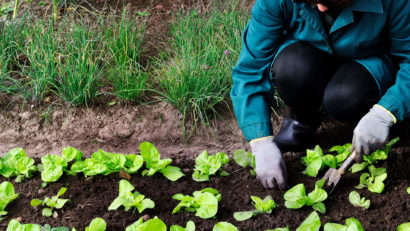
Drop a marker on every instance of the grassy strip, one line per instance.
(123, 43)
(195, 73)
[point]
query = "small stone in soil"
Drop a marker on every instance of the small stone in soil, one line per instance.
(145, 217)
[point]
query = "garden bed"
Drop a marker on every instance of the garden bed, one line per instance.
(90, 198)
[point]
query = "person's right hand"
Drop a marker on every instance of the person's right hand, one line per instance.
(270, 167)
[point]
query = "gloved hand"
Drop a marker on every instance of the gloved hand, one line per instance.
(269, 164)
(372, 131)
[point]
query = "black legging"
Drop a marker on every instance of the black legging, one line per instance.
(307, 78)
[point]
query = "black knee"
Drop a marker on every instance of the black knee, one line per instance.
(300, 73)
(350, 93)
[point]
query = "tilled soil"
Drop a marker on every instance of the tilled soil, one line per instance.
(90, 198)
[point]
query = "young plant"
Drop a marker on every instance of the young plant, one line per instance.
(97, 224)
(206, 166)
(315, 160)
(47, 227)
(404, 227)
(102, 162)
(154, 163)
(150, 225)
(355, 200)
(53, 166)
(190, 226)
(224, 226)
(53, 202)
(204, 202)
(311, 223)
(14, 225)
(374, 180)
(6, 196)
(16, 163)
(130, 200)
(261, 206)
(374, 157)
(408, 190)
(245, 159)
(351, 224)
(296, 197)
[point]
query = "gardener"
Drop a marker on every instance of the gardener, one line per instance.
(349, 57)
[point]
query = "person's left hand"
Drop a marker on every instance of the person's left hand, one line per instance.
(372, 131)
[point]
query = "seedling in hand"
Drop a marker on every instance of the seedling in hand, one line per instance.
(204, 202)
(351, 224)
(6, 196)
(51, 203)
(296, 197)
(374, 157)
(354, 198)
(205, 165)
(374, 180)
(245, 159)
(130, 200)
(261, 206)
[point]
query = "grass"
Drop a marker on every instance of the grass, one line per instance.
(195, 73)
(78, 60)
(123, 43)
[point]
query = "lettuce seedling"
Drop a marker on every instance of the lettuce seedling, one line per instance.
(315, 160)
(47, 227)
(224, 226)
(150, 225)
(97, 224)
(374, 157)
(53, 202)
(206, 166)
(351, 224)
(53, 166)
(261, 206)
(296, 197)
(279, 229)
(190, 226)
(130, 200)
(245, 159)
(374, 180)
(7, 195)
(102, 162)
(404, 227)
(14, 225)
(204, 202)
(408, 190)
(311, 223)
(355, 200)
(154, 163)
(16, 163)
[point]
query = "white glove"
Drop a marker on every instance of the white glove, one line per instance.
(269, 164)
(372, 131)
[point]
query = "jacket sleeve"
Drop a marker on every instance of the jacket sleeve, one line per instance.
(397, 97)
(252, 90)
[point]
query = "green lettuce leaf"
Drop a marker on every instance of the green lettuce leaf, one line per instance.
(311, 223)
(206, 165)
(204, 203)
(190, 226)
(404, 227)
(16, 163)
(130, 200)
(224, 226)
(97, 224)
(150, 225)
(14, 225)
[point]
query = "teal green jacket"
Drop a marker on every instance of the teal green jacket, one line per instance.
(374, 33)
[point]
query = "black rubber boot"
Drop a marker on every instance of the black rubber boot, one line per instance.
(295, 135)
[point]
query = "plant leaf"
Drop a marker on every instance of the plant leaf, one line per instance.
(172, 173)
(311, 223)
(224, 226)
(243, 158)
(47, 212)
(245, 215)
(98, 224)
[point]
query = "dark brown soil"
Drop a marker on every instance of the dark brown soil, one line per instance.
(91, 197)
